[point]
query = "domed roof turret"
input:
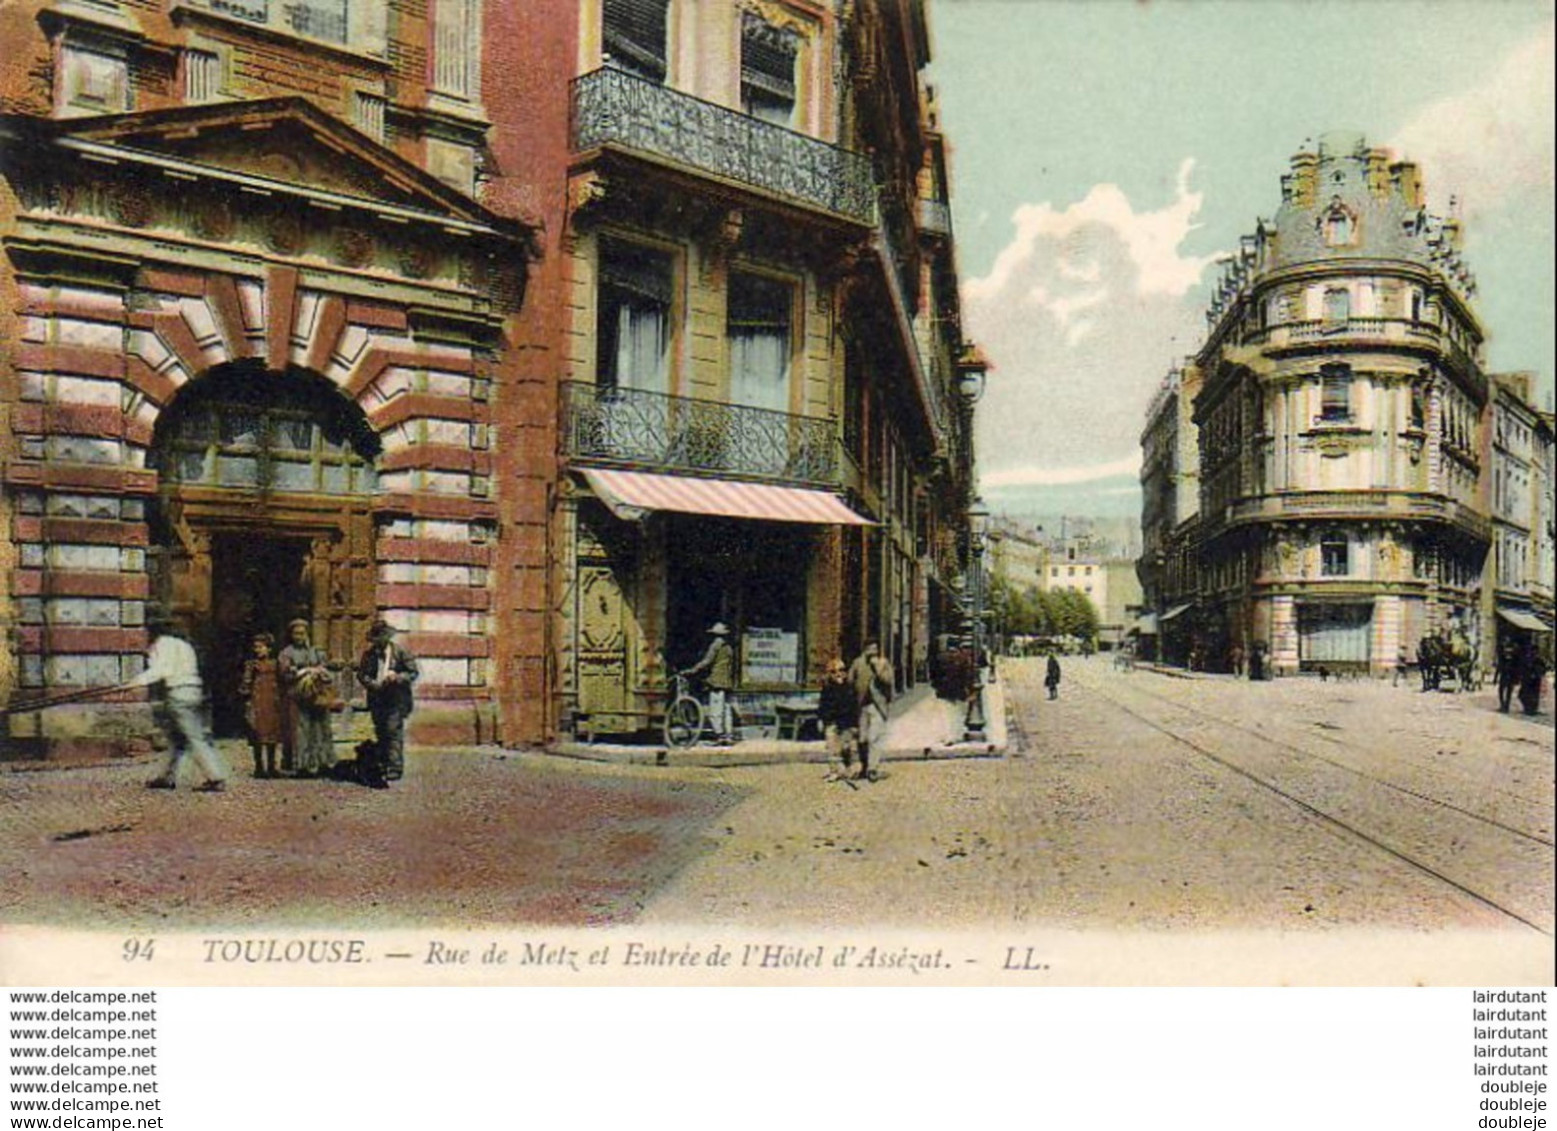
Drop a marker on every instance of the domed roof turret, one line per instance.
(1345, 199)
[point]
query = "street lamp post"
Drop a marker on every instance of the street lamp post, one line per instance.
(974, 726)
(972, 367)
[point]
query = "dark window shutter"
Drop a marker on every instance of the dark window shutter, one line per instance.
(768, 58)
(634, 35)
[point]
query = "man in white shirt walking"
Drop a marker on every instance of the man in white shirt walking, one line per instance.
(173, 671)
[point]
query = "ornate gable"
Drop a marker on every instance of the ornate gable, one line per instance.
(282, 143)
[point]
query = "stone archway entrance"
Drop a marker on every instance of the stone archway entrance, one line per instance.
(263, 516)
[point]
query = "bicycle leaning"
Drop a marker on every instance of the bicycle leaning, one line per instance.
(687, 718)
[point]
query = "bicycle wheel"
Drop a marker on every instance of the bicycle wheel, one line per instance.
(683, 722)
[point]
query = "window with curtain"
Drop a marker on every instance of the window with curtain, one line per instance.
(758, 328)
(633, 328)
(768, 70)
(633, 35)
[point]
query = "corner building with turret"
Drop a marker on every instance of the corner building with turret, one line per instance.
(1341, 423)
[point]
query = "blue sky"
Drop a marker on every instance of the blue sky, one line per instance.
(1104, 153)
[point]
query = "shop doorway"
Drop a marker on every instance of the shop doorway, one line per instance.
(750, 576)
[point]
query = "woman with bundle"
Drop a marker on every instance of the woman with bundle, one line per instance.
(310, 684)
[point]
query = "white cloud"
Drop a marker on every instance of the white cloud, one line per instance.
(1491, 141)
(1082, 313)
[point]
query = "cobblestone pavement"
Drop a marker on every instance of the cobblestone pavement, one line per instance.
(1109, 821)
(467, 838)
(1137, 801)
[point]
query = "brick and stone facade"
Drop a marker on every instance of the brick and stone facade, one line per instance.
(256, 361)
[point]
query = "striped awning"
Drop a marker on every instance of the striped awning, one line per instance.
(632, 495)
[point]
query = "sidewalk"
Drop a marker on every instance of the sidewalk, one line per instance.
(920, 727)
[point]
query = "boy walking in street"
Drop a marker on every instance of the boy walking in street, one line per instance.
(840, 716)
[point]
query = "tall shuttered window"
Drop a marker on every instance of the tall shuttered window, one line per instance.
(202, 76)
(1335, 393)
(768, 70)
(456, 33)
(634, 36)
(370, 111)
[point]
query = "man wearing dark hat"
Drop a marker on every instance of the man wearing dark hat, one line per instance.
(173, 670)
(719, 664)
(387, 670)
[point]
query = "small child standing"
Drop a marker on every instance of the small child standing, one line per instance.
(261, 689)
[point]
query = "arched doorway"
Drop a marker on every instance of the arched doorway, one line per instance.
(263, 515)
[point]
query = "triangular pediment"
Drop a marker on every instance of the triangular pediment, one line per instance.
(282, 141)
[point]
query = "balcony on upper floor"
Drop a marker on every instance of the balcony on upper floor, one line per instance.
(612, 108)
(1375, 504)
(1307, 333)
(635, 428)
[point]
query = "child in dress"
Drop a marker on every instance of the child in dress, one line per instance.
(261, 690)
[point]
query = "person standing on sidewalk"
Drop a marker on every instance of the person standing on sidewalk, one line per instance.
(306, 677)
(1051, 676)
(387, 670)
(871, 677)
(173, 672)
(839, 712)
(1507, 673)
(718, 669)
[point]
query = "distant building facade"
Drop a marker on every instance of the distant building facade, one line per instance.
(1168, 569)
(1343, 437)
(1517, 591)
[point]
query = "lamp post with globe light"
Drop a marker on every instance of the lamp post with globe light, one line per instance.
(974, 726)
(972, 367)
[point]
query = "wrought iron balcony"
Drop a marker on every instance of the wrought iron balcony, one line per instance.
(614, 108)
(635, 428)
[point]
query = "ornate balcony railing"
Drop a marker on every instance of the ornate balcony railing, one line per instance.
(1394, 505)
(613, 107)
(1392, 329)
(665, 433)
